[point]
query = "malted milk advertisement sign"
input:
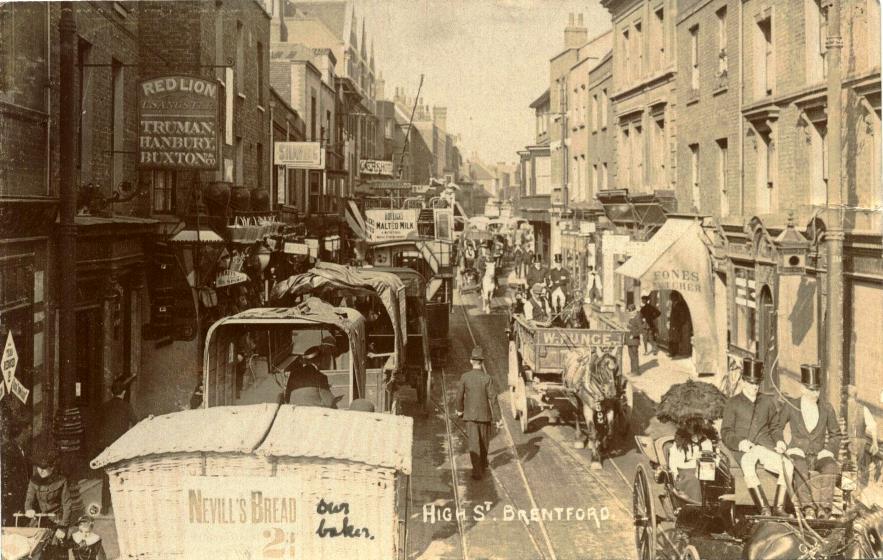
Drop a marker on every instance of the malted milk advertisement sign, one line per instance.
(285, 517)
(178, 123)
(387, 225)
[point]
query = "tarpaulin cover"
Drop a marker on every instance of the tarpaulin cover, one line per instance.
(310, 311)
(388, 287)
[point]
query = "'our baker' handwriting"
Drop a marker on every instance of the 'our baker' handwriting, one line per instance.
(346, 529)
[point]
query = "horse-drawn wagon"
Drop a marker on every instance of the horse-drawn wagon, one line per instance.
(262, 481)
(580, 366)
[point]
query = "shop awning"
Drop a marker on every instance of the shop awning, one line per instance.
(677, 259)
(355, 220)
(656, 248)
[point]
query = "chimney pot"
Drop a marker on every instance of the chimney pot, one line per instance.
(580, 19)
(570, 20)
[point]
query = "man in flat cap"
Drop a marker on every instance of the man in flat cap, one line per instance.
(477, 405)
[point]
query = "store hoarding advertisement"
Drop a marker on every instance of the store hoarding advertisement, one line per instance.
(9, 362)
(178, 123)
(387, 225)
(299, 155)
(375, 167)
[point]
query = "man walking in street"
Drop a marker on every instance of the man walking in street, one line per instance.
(116, 418)
(634, 341)
(477, 405)
(815, 442)
(649, 314)
(593, 285)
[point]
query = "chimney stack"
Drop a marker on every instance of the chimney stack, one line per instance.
(575, 34)
(380, 89)
(440, 118)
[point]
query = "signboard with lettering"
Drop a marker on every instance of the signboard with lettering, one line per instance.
(299, 155)
(178, 123)
(229, 278)
(387, 225)
(282, 517)
(375, 167)
(675, 279)
(10, 360)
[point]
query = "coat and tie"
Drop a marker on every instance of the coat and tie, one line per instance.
(755, 421)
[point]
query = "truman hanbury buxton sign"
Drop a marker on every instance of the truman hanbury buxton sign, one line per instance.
(178, 125)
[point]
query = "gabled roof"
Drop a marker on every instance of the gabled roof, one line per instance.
(479, 171)
(541, 100)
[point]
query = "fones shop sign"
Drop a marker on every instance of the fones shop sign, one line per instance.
(178, 123)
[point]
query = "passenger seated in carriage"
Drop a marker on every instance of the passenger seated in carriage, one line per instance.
(749, 430)
(694, 436)
(536, 308)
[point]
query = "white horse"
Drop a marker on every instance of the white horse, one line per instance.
(488, 286)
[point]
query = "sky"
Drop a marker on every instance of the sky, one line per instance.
(486, 60)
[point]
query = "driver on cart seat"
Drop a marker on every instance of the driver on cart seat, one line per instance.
(749, 430)
(536, 308)
(307, 385)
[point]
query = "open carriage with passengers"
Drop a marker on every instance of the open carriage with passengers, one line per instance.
(579, 366)
(262, 481)
(473, 250)
(716, 516)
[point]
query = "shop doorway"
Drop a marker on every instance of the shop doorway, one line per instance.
(88, 367)
(767, 347)
(680, 327)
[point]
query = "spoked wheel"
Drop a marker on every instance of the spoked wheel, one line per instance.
(513, 372)
(645, 516)
(690, 553)
(521, 397)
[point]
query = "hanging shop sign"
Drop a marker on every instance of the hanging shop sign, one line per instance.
(386, 225)
(229, 278)
(178, 123)
(299, 155)
(10, 383)
(375, 167)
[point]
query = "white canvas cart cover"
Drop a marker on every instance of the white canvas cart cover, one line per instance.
(224, 429)
(388, 287)
(374, 439)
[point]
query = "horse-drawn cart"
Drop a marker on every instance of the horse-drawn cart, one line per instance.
(581, 366)
(262, 481)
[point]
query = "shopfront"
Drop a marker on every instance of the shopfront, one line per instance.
(674, 267)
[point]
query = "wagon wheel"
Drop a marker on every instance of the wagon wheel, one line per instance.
(513, 364)
(521, 396)
(645, 516)
(690, 553)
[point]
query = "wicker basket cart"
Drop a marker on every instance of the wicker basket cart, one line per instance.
(262, 481)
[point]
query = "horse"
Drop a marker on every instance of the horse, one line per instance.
(593, 382)
(488, 286)
(775, 540)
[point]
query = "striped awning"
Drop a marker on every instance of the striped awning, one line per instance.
(355, 220)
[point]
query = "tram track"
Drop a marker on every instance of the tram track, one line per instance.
(573, 459)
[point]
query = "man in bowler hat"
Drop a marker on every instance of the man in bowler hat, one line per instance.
(815, 442)
(749, 430)
(307, 385)
(477, 405)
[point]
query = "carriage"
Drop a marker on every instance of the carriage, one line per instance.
(580, 366)
(280, 336)
(723, 525)
(262, 481)
(433, 259)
